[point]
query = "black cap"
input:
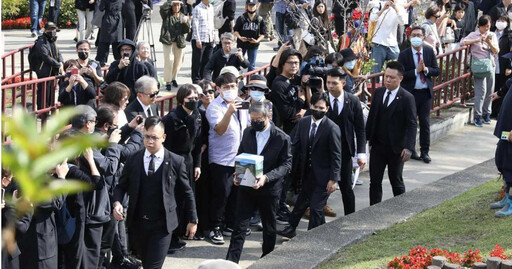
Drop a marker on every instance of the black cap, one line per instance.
(126, 42)
(50, 25)
(255, 77)
(348, 55)
(251, 2)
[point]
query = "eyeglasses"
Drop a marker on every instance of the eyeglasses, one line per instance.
(209, 92)
(151, 137)
(152, 95)
(293, 63)
(92, 120)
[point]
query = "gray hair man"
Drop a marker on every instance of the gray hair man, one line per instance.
(147, 91)
(229, 55)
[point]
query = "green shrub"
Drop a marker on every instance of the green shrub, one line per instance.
(14, 9)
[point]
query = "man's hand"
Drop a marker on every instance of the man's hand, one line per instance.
(197, 173)
(510, 136)
(6, 181)
(301, 94)
(299, 115)
(252, 40)
(199, 45)
(239, 55)
(260, 183)
(62, 169)
(406, 155)
(421, 66)
(115, 136)
(508, 72)
(494, 96)
(236, 179)
(123, 63)
(191, 230)
(362, 163)
(331, 186)
(233, 107)
(134, 123)
(305, 5)
(88, 154)
(118, 211)
(305, 78)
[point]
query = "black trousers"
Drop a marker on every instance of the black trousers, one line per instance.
(114, 240)
(130, 20)
(202, 195)
(44, 92)
(221, 184)
(499, 81)
(71, 254)
(104, 51)
(423, 107)
(53, 12)
(248, 200)
(380, 157)
(347, 193)
(312, 196)
(92, 241)
(200, 56)
(152, 242)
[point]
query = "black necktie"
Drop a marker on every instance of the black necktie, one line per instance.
(151, 167)
(386, 101)
(335, 107)
(312, 133)
(149, 112)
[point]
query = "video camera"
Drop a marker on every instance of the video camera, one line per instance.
(317, 71)
(146, 11)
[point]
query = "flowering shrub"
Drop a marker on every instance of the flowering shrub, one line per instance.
(420, 257)
(19, 23)
(15, 14)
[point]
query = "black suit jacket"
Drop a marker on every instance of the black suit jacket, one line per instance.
(325, 152)
(353, 122)
(277, 155)
(402, 125)
(134, 109)
(174, 179)
(429, 58)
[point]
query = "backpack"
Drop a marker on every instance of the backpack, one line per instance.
(218, 17)
(33, 60)
(66, 225)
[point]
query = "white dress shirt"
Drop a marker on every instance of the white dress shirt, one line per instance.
(144, 108)
(391, 96)
(317, 122)
(341, 100)
(157, 160)
(262, 139)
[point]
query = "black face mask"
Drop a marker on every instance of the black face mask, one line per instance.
(251, 12)
(258, 125)
(191, 105)
(317, 114)
(52, 36)
(83, 55)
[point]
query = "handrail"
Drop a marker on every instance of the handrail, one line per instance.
(12, 56)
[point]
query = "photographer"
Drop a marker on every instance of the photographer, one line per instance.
(75, 90)
(133, 10)
(287, 95)
(111, 30)
(227, 56)
(314, 71)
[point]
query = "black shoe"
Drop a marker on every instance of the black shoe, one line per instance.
(425, 158)
(125, 262)
(415, 156)
(282, 219)
(174, 84)
(168, 87)
(176, 244)
(288, 232)
(75, 39)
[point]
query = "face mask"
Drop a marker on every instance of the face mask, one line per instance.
(83, 55)
(350, 65)
(230, 95)
(501, 25)
(416, 41)
(257, 95)
(251, 12)
(52, 36)
(317, 114)
(191, 105)
(258, 125)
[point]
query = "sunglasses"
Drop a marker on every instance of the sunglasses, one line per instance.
(152, 95)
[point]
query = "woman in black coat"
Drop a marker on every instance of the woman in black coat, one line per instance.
(111, 31)
(183, 137)
(74, 89)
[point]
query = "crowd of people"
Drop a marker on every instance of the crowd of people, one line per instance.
(168, 178)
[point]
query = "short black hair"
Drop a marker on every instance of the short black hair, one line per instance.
(336, 72)
(152, 122)
(417, 27)
(317, 96)
(184, 91)
(484, 20)
(83, 41)
(224, 79)
(105, 114)
(284, 57)
(395, 65)
(460, 6)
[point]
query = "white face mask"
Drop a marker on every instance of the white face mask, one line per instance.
(230, 95)
(501, 25)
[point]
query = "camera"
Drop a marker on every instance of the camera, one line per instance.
(140, 120)
(146, 11)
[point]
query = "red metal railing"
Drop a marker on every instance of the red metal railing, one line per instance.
(452, 85)
(18, 68)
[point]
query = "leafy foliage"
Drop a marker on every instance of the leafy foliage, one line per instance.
(15, 9)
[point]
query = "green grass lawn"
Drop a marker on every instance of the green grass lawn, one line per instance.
(462, 223)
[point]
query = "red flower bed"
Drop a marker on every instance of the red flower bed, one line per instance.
(20, 23)
(420, 257)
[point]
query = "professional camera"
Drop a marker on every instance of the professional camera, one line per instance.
(146, 11)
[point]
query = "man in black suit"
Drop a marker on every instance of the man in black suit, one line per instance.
(345, 110)
(420, 66)
(391, 130)
(317, 144)
(150, 178)
(144, 105)
(261, 138)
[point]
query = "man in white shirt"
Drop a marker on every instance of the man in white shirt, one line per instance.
(385, 42)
